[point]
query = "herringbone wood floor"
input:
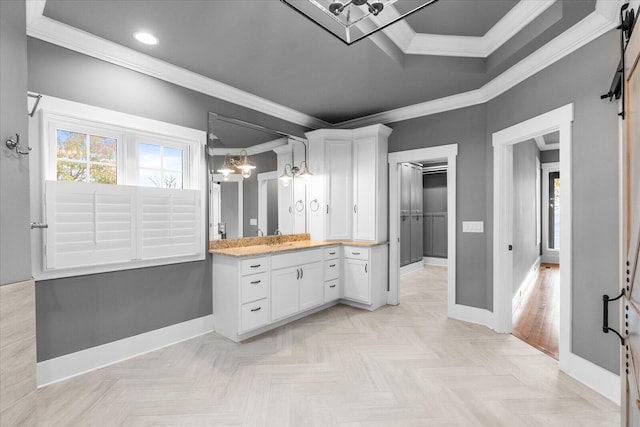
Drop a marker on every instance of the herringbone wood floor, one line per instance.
(406, 365)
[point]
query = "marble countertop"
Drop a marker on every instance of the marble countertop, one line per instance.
(264, 249)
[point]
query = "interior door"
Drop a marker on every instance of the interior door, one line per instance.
(630, 360)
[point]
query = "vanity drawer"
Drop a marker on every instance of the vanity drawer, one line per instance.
(296, 258)
(254, 287)
(254, 315)
(332, 269)
(355, 252)
(254, 265)
(332, 290)
(332, 252)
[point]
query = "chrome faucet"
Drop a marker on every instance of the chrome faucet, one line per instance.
(260, 232)
(278, 232)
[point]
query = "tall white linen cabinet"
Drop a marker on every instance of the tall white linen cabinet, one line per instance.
(347, 197)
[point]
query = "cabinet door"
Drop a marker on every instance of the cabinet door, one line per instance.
(356, 280)
(416, 196)
(299, 192)
(311, 285)
(440, 235)
(339, 189)
(405, 188)
(364, 190)
(416, 237)
(285, 300)
(405, 239)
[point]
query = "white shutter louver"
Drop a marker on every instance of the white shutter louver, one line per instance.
(96, 224)
(89, 224)
(170, 223)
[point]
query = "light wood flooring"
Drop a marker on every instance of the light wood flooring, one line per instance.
(405, 365)
(537, 320)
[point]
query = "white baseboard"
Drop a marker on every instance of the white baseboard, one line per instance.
(476, 315)
(550, 259)
(409, 268)
(442, 262)
(593, 376)
(74, 364)
(525, 286)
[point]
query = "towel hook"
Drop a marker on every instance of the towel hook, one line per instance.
(15, 145)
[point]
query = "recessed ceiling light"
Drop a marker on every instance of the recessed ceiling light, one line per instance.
(145, 38)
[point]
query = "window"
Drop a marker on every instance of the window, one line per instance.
(160, 164)
(117, 191)
(83, 157)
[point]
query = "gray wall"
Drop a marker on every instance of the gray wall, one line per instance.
(467, 128)
(526, 249)
(78, 313)
(265, 162)
(434, 192)
(579, 78)
(15, 250)
(550, 156)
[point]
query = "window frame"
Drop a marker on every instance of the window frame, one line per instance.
(142, 138)
(54, 112)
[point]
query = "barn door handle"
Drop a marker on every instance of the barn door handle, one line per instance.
(605, 315)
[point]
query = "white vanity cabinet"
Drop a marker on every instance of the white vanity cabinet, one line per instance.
(296, 282)
(241, 292)
(365, 276)
(332, 274)
(349, 189)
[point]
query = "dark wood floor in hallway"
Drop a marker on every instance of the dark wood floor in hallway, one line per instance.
(537, 320)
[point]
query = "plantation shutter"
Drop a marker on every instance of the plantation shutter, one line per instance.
(89, 224)
(170, 223)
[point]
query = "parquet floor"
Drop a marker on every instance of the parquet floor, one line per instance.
(537, 320)
(406, 365)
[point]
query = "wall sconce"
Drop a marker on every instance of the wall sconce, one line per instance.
(291, 172)
(240, 163)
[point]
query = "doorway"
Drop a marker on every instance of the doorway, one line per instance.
(503, 256)
(446, 154)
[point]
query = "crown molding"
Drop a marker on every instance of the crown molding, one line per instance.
(55, 32)
(585, 31)
(523, 13)
(35, 9)
(253, 150)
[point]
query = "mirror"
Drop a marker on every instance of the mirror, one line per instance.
(243, 207)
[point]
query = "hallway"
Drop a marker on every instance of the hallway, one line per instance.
(537, 320)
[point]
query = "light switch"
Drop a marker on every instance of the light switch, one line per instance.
(253, 221)
(473, 226)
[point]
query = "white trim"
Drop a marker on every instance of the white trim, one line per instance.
(263, 178)
(526, 284)
(559, 119)
(441, 262)
(585, 31)
(593, 376)
(410, 268)
(74, 364)
(237, 178)
(255, 149)
(55, 32)
(441, 152)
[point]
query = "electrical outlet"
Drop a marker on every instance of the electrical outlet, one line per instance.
(253, 221)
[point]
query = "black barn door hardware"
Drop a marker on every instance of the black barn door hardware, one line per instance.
(605, 315)
(617, 89)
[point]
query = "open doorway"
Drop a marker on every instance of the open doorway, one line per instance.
(536, 239)
(504, 143)
(445, 155)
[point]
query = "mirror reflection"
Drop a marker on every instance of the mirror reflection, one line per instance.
(244, 187)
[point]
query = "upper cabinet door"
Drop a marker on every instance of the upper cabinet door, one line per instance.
(339, 183)
(364, 189)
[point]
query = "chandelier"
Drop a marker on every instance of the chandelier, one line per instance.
(241, 163)
(353, 20)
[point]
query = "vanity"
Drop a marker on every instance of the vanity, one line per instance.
(261, 286)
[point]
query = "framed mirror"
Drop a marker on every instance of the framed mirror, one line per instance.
(247, 204)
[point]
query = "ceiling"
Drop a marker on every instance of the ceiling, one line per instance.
(265, 48)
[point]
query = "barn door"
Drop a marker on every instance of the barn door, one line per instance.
(630, 360)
